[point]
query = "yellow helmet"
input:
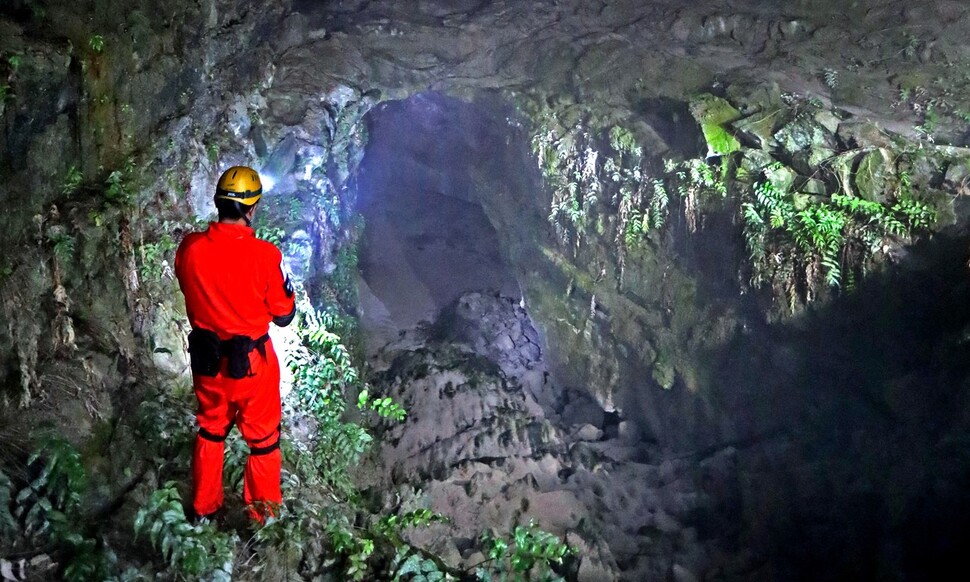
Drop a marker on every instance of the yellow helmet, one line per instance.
(240, 183)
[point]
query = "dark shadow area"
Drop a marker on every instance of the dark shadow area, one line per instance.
(427, 240)
(855, 420)
(672, 119)
(848, 455)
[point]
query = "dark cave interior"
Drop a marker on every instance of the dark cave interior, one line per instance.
(427, 239)
(685, 284)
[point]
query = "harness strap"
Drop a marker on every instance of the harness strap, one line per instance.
(225, 346)
(278, 429)
(206, 351)
(260, 344)
(257, 451)
(237, 350)
(209, 436)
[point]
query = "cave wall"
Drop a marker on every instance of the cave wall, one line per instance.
(162, 87)
(711, 378)
(108, 151)
(650, 319)
(649, 332)
(182, 90)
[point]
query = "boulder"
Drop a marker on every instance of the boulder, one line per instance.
(873, 174)
(588, 432)
(957, 176)
(714, 114)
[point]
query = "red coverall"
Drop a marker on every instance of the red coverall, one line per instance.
(234, 285)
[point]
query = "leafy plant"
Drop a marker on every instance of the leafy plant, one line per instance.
(235, 455)
(49, 507)
(658, 205)
(696, 181)
(831, 78)
(15, 61)
(343, 280)
(384, 407)
(72, 182)
(391, 524)
(831, 234)
(586, 162)
(96, 43)
(272, 234)
(55, 490)
(118, 185)
(528, 553)
(165, 425)
(571, 164)
(917, 215)
(63, 246)
(196, 550)
(295, 209)
(416, 567)
(357, 549)
(154, 258)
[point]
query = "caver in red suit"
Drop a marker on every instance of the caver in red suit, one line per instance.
(234, 286)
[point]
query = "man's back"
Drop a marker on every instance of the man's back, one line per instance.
(233, 282)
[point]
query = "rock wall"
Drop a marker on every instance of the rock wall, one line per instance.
(480, 447)
(116, 119)
(652, 314)
(107, 146)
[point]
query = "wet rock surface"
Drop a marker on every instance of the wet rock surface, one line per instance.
(659, 423)
(670, 371)
(480, 447)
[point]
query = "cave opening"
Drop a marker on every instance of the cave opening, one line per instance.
(427, 238)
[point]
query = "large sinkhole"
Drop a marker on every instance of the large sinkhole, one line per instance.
(427, 239)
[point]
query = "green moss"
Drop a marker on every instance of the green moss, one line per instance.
(871, 177)
(714, 114)
(582, 279)
(663, 373)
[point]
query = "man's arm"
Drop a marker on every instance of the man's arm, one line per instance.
(284, 320)
(279, 294)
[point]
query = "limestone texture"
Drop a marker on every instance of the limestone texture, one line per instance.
(630, 388)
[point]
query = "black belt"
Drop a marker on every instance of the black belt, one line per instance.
(207, 350)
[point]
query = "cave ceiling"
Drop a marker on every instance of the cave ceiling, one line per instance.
(857, 55)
